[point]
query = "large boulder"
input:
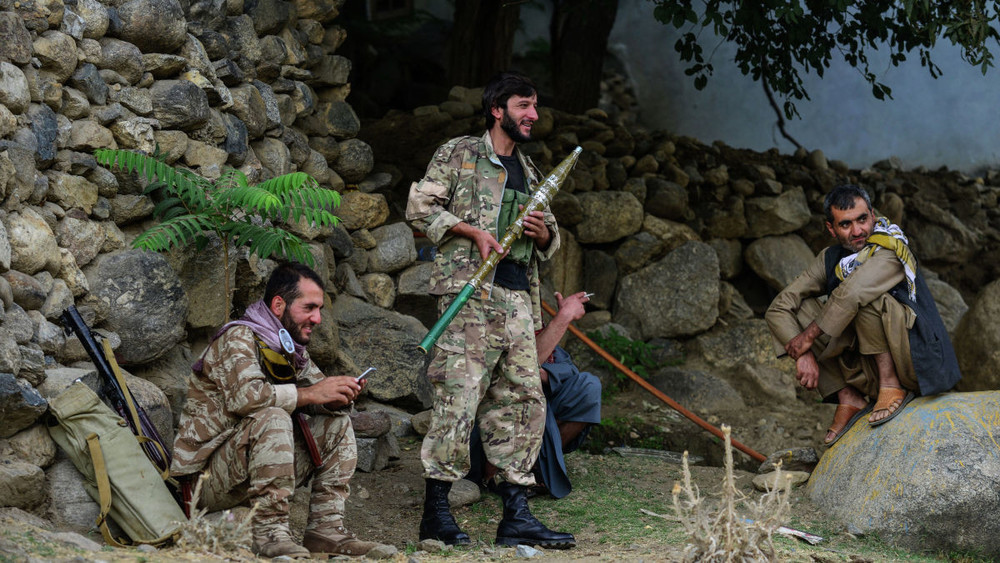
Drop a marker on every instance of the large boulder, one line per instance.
(32, 243)
(608, 216)
(154, 26)
(145, 302)
(13, 88)
(777, 215)
(20, 405)
(925, 481)
(743, 354)
(179, 104)
(977, 342)
(949, 301)
(22, 484)
(372, 336)
(778, 260)
(394, 248)
(15, 41)
(676, 296)
(202, 274)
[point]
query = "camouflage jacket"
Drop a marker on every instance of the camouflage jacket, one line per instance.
(230, 386)
(464, 183)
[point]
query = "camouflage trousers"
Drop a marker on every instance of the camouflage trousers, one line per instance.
(486, 369)
(849, 360)
(266, 458)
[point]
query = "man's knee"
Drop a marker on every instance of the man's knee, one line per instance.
(270, 421)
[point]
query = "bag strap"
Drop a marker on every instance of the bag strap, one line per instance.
(103, 489)
(104, 493)
(109, 355)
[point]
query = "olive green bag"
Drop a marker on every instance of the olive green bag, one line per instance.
(117, 473)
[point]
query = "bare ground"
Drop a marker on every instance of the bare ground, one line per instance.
(620, 509)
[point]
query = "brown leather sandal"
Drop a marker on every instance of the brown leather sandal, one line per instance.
(843, 419)
(892, 400)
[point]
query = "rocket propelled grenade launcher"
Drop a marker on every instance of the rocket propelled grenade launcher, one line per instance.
(539, 200)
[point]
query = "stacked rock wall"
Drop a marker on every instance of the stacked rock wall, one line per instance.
(255, 85)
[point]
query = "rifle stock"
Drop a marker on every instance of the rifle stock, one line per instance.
(118, 394)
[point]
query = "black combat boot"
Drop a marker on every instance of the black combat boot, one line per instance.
(519, 526)
(437, 522)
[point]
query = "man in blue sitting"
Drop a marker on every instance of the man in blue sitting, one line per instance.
(573, 405)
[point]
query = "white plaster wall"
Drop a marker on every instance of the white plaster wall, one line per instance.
(950, 121)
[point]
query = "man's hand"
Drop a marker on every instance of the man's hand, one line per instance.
(484, 240)
(485, 243)
(571, 307)
(807, 370)
(334, 392)
(802, 342)
(535, 227)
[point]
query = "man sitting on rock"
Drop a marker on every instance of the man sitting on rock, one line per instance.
(878, 332)
(573, 405)
(238, 431)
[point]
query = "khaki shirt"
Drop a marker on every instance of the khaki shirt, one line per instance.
(230, 386)
(876, 276)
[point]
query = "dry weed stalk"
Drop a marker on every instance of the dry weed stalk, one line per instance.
(222, 536)
(724, 535)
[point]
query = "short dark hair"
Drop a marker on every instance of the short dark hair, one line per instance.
(284, 282)
(500, 88)
(842, 197)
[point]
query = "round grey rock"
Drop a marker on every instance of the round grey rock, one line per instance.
(146, 304)
(154, 26)
(676, 296)
(179, 104)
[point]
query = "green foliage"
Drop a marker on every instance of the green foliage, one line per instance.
(635, 354)
(776, 39)
(190, 207)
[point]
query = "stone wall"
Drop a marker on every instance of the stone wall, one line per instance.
(255, 85)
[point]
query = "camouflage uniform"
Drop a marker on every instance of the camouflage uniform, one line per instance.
(486, 364)
(237, 427)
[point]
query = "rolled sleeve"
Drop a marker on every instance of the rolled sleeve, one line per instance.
(286, 397)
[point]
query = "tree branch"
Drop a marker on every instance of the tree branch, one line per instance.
(777, 112)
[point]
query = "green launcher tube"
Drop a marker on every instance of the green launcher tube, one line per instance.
(446, 318)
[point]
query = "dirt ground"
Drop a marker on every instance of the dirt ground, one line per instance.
(386, 505)
(620, 510)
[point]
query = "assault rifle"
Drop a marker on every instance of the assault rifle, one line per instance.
(116, 391)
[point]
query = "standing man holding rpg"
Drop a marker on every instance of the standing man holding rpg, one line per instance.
(485, 367)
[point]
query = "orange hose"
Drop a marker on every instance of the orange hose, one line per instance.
(656, 392)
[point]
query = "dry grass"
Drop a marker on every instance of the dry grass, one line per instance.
(222, 535)
(723, 534)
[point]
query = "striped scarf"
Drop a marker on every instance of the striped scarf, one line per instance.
(884, 235)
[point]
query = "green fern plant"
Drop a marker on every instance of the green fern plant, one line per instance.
(190, 207)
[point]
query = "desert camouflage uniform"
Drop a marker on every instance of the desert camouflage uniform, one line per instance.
(238, 426)
(486, 364)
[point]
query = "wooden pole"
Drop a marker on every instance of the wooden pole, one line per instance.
(656, 392)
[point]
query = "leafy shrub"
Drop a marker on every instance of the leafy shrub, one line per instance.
(634, 354)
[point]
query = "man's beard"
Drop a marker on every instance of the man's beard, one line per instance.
(510, 128)
(294, 331)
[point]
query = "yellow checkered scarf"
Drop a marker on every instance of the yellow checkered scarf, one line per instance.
(884, 235)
